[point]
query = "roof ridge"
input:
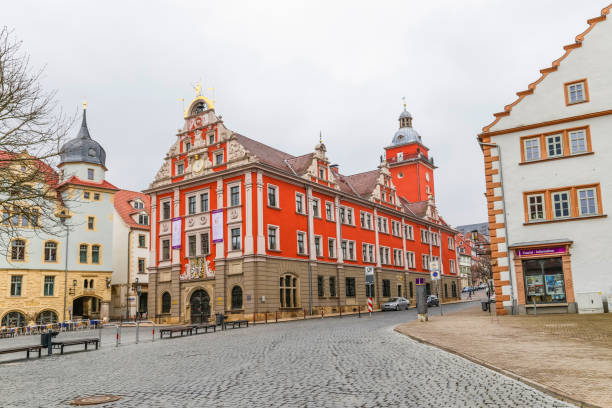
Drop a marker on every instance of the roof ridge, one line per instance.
(268, 146)
(545, 71)
(363, 172)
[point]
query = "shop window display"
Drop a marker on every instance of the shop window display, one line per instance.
(544, 281)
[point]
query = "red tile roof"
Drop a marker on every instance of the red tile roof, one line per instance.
(8, 158)
(77, 181)
(126, 210)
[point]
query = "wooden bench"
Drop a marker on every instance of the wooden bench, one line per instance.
(236, 322)
(204, 326)
(176, 329)
(65, 343)
(27, 349)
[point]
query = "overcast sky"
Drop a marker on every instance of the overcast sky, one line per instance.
(285, 70)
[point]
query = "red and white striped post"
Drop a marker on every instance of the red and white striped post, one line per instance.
(370, 305)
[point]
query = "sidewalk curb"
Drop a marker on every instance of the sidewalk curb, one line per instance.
(540, 387)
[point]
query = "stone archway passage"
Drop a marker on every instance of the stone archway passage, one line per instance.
(200, 306)
(46, 317)
(14, 319)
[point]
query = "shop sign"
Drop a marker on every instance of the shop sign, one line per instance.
(176, 233)
(541, 251)
(217, 225)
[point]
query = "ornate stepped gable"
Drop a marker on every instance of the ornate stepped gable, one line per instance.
(545, 71)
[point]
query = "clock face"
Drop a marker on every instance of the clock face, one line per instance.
(198, 165)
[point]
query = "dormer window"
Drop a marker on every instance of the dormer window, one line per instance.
(400, 156)
(90, 174)
(143, 219)
(138, 204)
(211, 138)
(180, 168)
(322, 173)
(187, 146)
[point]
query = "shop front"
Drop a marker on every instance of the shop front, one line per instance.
(544, 277)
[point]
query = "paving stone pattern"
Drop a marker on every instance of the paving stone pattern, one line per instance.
(348, 362)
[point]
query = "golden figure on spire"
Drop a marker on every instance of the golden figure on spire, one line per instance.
(320, 137)
(197, 88)
(404, 102)
(84, 105)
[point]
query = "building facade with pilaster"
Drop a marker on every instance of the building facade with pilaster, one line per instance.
(242, 228)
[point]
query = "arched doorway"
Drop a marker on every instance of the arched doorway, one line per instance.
(46, 317)
(200, 306)
(14, 319)
(236, 297)
(454, 288)
(85, 307)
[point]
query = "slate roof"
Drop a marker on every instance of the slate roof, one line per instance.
(360, 185)
(482, 228)
(126, 210)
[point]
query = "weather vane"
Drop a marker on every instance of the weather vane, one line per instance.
(404, 101)
(197, 88)
(84, 104)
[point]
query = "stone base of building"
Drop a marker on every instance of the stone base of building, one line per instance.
(253, 286)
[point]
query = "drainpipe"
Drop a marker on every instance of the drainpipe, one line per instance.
(501, 179)
(65, 267)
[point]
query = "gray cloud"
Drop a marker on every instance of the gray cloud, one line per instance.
(282, 71)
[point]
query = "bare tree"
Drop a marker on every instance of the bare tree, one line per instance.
(32, 129)
(481, 269)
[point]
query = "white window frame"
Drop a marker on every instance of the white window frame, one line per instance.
(316, 214)
(410, 230)
(384, 255)
(277, 229)
(595, 204)
(276, 195)
(548, 140)
(229, 193)
(451, 243)
(217, 153)
(230, 227)
(302, 198)
(583, 138)
(410, 258)
(199, 242)
(569, 204)
(425, 236)
(304, 240)
(369, 248)
(335, 254)
(318, 253)
(425, 261)
(398, 257)
(195, 197)
(579, 87)
(529, 150)
(453, 268)
(543, 204)
(161, 206)
(331, 204)
(178, 163)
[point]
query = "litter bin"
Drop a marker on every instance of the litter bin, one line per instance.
(46, 340)
(220, 318)
(485, 306)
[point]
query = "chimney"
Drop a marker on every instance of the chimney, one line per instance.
(334, 168)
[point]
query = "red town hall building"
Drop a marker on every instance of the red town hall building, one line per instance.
(241, 228)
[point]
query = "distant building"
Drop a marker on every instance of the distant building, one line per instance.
(46, 278)
(548, 161)
(131, 246)
(481, 228)
(466, 254)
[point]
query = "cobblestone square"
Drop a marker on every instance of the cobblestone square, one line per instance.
(348, 362)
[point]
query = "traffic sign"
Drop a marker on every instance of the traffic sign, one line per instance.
(434, 266)
(369, 274)
(435, 275)
(370, 304)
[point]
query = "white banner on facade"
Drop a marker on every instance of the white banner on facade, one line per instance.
(176, 233)
(217, 225)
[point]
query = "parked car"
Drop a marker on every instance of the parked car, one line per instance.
(466, 289)
(432, 300)
(396, 303)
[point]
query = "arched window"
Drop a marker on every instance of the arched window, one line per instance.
(14, 319)
(46, 317)
(236, 297)
(288, 291)
(91, 284)
(200, 107)
(85, 283)
(165, 303)
(50, 251)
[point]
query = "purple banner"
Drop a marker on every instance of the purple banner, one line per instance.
(541, 251)
(176, 233)
(217, 225)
